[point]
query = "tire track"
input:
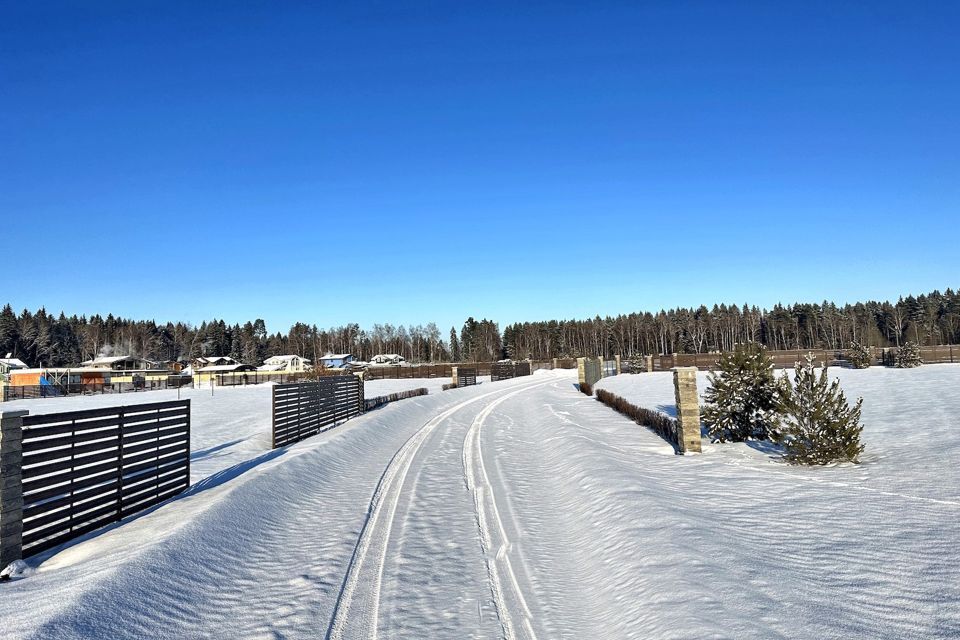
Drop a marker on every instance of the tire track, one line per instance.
(507, 594)
(357, 610)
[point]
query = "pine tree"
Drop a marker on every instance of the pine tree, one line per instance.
(743, 399)
(8, 331)
(909, 356)
(455, 354)
(819, 426)
(859, 355)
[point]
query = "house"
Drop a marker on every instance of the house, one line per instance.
(226, 368)
(388, 358)
(336, 360)
(119, 363)
(216, 373)
(287, 364)
(9, 364)
(212, 361)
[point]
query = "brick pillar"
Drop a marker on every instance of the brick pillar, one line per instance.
(688, 409)
(11, 486)
(361, 403)
(455, 380)
(649, 361)
(617, 358)
(589, 370)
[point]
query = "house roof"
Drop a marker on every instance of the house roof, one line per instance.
(82, 369)
(286, 358)
(214, 358)
(270, 367)
(337, 356)
(108, 359)
(14, 362)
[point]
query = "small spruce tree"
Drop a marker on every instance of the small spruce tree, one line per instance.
(743, 399)
(909, 356)
(859, 355)
(636, 363)
(819, 426)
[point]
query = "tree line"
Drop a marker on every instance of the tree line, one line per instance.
(43, 339)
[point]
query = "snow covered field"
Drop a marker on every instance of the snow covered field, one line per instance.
(523, 509)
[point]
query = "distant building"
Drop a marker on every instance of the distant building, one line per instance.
(216, 373)
(336, 360)
(226, 368)
(9, 364)
(388, 358)
(212, 361)
(286, 364)
(120, 363)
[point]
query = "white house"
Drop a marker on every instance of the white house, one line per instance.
(9, 364)
(388, 358)
(336, 360)
(289, 364)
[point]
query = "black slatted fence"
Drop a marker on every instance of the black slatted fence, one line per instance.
(304, 409)
(85, 469)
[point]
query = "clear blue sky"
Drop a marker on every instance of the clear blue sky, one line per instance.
(406, 163)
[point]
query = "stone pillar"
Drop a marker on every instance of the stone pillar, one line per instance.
(617, 358)
(454, 380)
(11, 486)
(649, 361)
(589, 370)
(554, 363)
(361, 397)
(688, 409)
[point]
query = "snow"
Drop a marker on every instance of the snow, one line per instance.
(523, 509)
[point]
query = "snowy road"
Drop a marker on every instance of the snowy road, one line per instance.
(523, 509)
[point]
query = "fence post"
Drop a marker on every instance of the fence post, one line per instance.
(649, 362)
(11, 486)
(454, 379)
(617, 358)
(688, 409)
(361, 393)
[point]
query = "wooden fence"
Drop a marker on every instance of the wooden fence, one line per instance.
(304, 409)
(788, 359)
(708, 361)
(398, 372)
(82, 470)
(940, 354)
(56, 390)
(507, 370)
(466, 377)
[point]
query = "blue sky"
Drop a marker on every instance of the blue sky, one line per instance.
(400, 163)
